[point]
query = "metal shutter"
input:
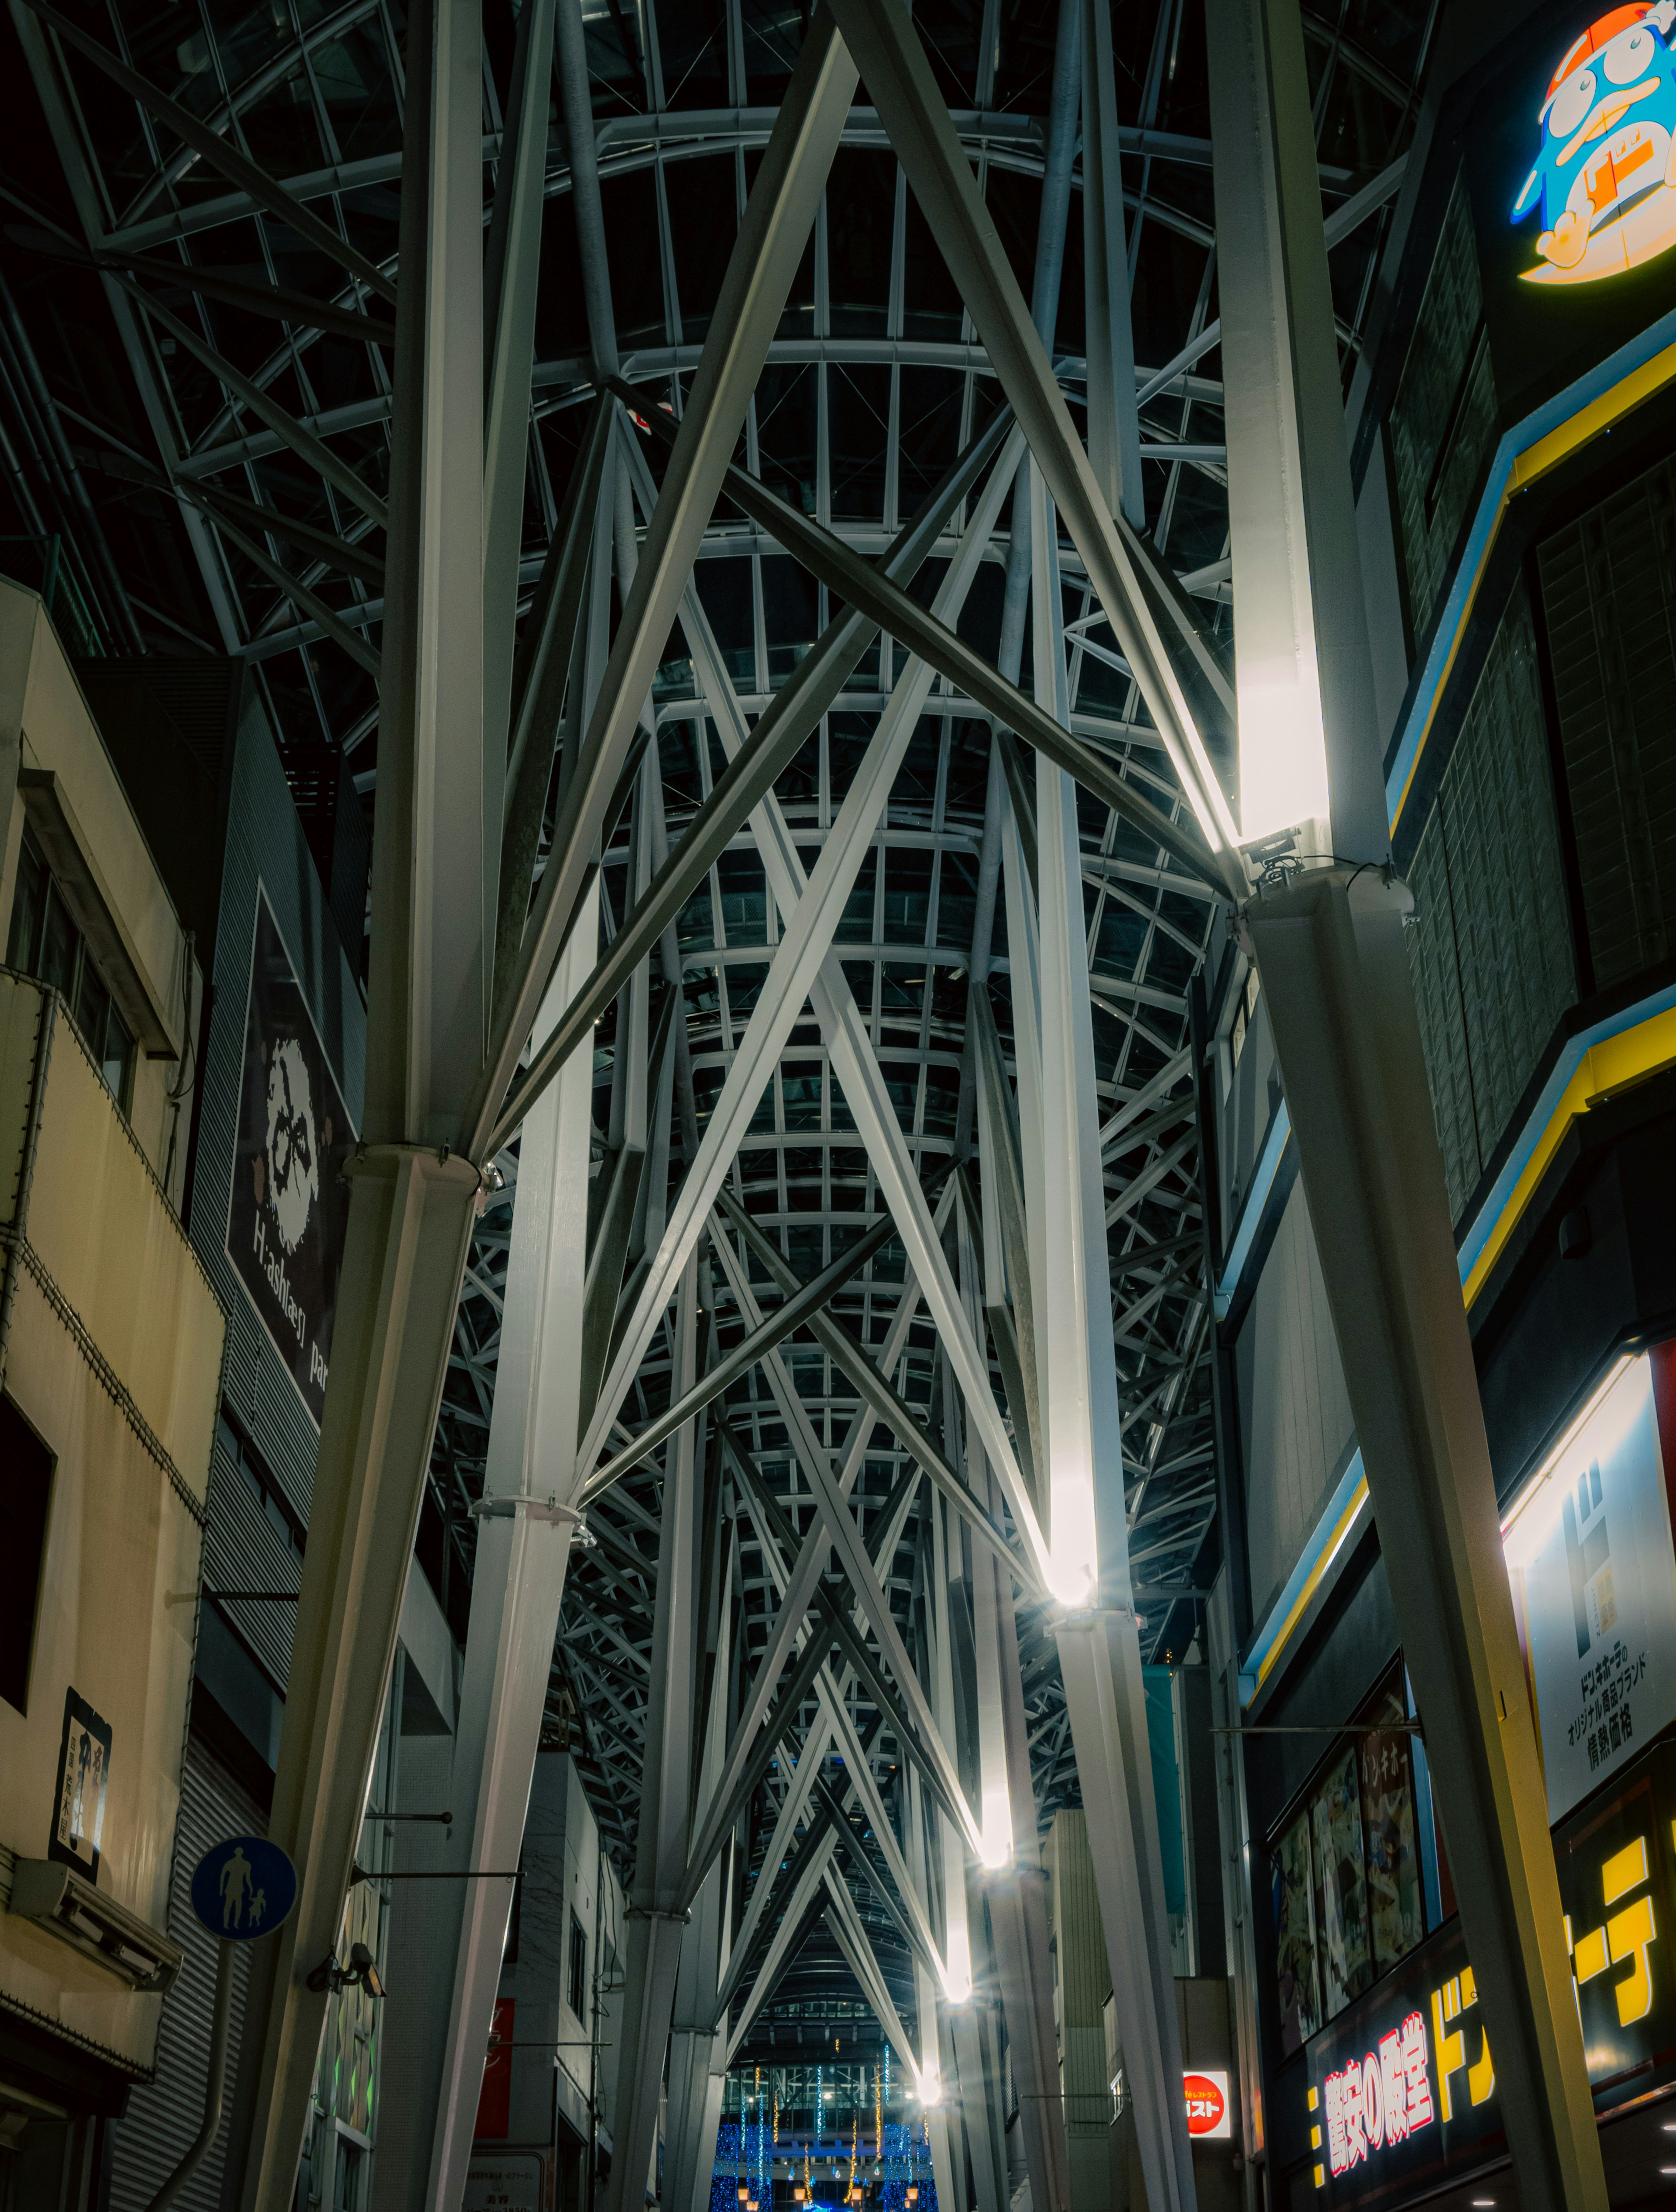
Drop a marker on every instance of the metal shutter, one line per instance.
(1609, 597)
(1492, 950)
(163, 2119)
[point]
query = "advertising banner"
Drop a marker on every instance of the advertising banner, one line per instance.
(1593, 1574)
(84, 1780)
(1569, 152)
(1401, 2087)
(288, 1211)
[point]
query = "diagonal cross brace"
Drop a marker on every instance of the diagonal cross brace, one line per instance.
(804, 963)
(880, 35)
(804, 1306)
(778, 218)
(221, 155)
(846, 1540)
(886, 1400)
(765, 752)
(853, 578)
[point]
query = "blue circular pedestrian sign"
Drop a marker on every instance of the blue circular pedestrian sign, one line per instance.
(244, 1888)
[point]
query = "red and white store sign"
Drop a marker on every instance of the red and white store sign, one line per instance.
(1209, 2119)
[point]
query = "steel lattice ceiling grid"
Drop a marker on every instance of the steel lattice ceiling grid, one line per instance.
(156, 318)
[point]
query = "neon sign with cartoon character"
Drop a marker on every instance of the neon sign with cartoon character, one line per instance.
(1607, 175)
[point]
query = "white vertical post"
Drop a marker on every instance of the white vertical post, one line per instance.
(1309, 747)
(1099, 1643)
(655, 1921)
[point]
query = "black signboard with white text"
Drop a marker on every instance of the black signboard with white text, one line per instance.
(286, 1221)
(1401, 2085)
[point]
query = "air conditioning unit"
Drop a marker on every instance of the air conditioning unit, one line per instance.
(57, 1897)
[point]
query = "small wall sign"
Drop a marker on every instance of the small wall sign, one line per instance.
(84, 1774)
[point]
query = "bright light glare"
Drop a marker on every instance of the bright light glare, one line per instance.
(1070, 1578)
(995, 1852)
(930, 2091)
(1282, 743)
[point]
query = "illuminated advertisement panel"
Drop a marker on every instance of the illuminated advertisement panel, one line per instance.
(1401, 2088)
(1593, 1573)
(1569, 144)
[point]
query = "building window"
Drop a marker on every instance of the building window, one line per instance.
(1345, 1876)
(28, 1465)
(578, 1967)
(45, 943)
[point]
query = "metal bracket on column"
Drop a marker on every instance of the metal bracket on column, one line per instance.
(535, 1509)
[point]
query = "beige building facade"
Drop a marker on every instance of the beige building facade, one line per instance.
(111, 1343)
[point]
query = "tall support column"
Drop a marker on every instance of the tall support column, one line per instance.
(1113, 419)
(1335, 974)
(1329, 946)
(696, 2079)
(436, 2040)
(988, 2174)
(655, 1921)
(413, 1196)
(930, 2088)
(1098, 1640)
(1077, 1916)
(514, 255)
(523, 1538)
(1309, 746)
(1014, 1887)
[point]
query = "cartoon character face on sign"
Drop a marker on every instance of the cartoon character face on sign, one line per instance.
(293, 1155)
(1606, 177)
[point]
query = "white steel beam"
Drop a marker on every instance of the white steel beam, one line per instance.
(883, 39)
(413, 1195)
(764, 261)
(1098, 1640)
(655, 1915)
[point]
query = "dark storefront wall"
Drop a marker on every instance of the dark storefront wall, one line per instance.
(1413, 2051)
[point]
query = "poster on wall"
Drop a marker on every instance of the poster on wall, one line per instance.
(84, 1778)
(288, 1211)
(1570, 153)
(1593, 1573)
(1400, 2092)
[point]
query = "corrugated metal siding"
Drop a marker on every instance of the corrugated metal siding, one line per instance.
(1609, 597)
(1491, 948)
(1442, 421)
(243, 1550)
(1297, 1424)
(163, 2119)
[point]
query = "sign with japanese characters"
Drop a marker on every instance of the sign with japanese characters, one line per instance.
(288, 1213)
(1401, 2087)
(1593, 1574)
(1209, 2117)
(516, 2181)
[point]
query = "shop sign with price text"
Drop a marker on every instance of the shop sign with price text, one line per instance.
(1401, 2085)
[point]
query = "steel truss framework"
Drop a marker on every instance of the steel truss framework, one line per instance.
(903, 1014)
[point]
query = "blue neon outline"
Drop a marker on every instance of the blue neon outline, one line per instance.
(1252, 1212)
(1535, 426)
(1488, 1217)
(1268, 1635)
